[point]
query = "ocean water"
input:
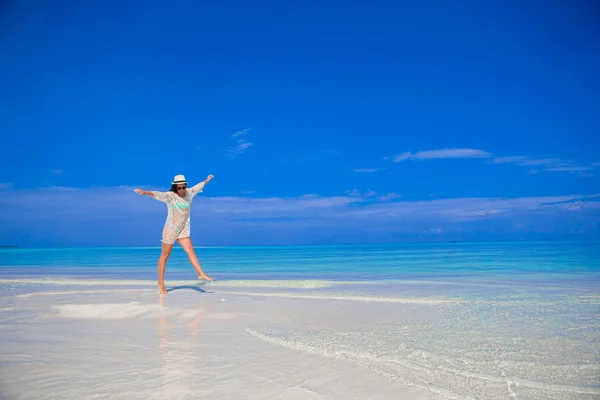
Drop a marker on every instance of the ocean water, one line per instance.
(460, 320)
(533, 262)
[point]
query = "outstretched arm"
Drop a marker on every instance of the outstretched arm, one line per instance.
(194, 190)
(160, 196)
(144, 192)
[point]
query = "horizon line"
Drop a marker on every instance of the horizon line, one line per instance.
(9, 247)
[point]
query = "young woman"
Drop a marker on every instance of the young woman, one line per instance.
(177, 226)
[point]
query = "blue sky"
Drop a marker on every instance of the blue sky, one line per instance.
(328, 122)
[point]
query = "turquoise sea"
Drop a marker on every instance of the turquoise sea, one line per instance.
(563, 263)
(521, 320)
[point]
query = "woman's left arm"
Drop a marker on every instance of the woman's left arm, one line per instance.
(194, 190)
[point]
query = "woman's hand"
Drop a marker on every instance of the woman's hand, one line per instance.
(208, 178)
(139, 191)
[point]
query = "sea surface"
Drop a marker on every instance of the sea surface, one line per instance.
(576, 263)
(488, 320)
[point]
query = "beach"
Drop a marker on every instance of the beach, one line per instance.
(441, 321)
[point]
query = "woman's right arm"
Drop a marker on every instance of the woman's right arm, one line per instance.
(160, 196)
(144, 192)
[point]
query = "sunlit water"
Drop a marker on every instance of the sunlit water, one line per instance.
(459, 320)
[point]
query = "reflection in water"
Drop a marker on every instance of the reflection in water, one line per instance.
(177, 346)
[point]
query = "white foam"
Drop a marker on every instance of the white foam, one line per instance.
(295, 284)
(356, 359)
(280, 283)
(87, 282)
(65, 293)
(106, 311)
(290, 284)
(249, 283)
(441, 380)
(134, 309)
(368, 299)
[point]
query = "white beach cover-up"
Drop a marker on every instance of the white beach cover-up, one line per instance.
(177, 225)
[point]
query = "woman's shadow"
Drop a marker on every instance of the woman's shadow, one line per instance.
(192, 287)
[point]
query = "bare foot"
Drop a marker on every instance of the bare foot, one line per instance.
(161, 288)
(204, 277)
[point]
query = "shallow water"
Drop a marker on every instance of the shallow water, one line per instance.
(472, 321)
(487, 262)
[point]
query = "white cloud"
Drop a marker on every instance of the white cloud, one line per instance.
(353, 204)
(357, 193)
(243, 132)
(389, 196)
(441, 154)
(525, 161)
(575, 206)
(569, 169)
(367, 169)
(539, 164)
(546, 164)
(461, 209)
(241, 144)
(279, 218)
(353, 193)
(239, 148)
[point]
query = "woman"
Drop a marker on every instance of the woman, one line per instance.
(177, 226)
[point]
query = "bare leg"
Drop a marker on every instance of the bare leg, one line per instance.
(186, 243)
(162, 265)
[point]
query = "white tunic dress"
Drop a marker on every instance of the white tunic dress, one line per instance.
(177, 225)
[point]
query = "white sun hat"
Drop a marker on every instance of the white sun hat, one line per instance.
(178, 179)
